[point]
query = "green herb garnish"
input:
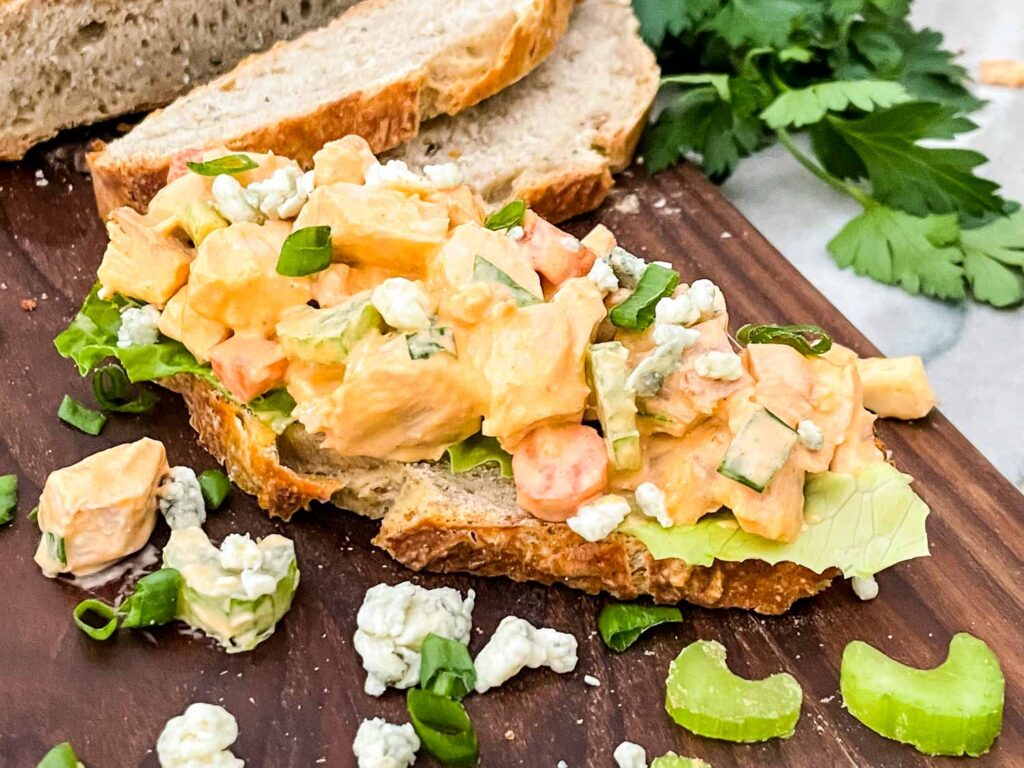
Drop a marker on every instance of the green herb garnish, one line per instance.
(33, 513)
(55, 548)
(100, 609)
(80, 417)
(795, 336)
(61, 756)
(229, 164)
(477, 450)
(153, 602)
(508, 216)
(215, 487)
(444, 728)
(428, 342)
(305, 252)
(484, 271)
(8, 498)
(113, 391)
(621, 624)
(637, 311)
(874, 95)
(446, 668)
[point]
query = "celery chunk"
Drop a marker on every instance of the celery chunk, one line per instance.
(704, 697)
(955, 708)
(672, 760)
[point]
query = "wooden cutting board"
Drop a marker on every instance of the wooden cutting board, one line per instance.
(298, 697)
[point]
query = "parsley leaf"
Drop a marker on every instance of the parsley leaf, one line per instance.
(659, 18)
(916, 179)
(987, 252)
(891, 246)
(805, 106)
(757, 22)
(714, 116)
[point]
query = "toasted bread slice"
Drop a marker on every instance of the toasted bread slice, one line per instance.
(377, 71)
(555, 138)
(434, 520)
(79, 61)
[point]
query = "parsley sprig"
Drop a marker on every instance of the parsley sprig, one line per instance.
(874, 96)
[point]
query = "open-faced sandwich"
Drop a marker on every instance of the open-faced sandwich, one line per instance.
(508, 399)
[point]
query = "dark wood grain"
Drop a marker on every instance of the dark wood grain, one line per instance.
(298, 697)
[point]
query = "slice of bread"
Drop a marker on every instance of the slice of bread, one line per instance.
(434, 520)
(555, 138)
(79, 61)
(378, 70)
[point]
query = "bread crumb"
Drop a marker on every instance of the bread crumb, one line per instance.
(510, 735)
(629, 203)
(29, 305)
(591, 681)
(725, 235)
(1006, 72)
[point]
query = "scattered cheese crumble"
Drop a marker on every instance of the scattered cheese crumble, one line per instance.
(516, 644)
(724, 366)
(596, 519)
(181, 499)
(810, 434)
(404, 304)
(651, 500)
(380, 744)
(866, 588)
(201, 736)
(630, 755)
(138, 327)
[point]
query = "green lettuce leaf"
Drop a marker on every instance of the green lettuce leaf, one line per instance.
(91, 338)
(861, 524)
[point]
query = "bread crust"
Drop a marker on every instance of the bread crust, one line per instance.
(429, 525)
(385, 117)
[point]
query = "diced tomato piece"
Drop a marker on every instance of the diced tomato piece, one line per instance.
(558, 468)
(555, 254)
(248, 366)
(178, 160)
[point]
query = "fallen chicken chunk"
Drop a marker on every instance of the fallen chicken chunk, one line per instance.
(101, 509)
(896, 387)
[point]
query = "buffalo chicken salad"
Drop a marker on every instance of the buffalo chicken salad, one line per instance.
(384, 311)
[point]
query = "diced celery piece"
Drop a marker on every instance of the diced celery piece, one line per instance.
(955, 708)
(704, 697)
(672, 760)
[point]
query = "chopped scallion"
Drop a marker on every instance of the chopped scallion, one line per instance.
(444, 728)
(637, 312)
(113, 391)
(101, 610)
(508, 216)
(215, 487)
(621, 624)
(154, 601)
(446, 668)
(8, 498)
(229, 164)
(795, 336)
(61, 756)
(80, 417)
(305, 251)
(485, 272)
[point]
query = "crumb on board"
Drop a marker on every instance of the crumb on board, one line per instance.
(628, 203)
(29, 305)
(1005, 72)
(510, 735)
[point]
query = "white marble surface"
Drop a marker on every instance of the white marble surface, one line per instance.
(974, 354)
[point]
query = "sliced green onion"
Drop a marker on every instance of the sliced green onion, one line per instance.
(508, 216)
(61, 756)
(704, 697)
(113, 391)
(795, 336)
(78, 416)
(33, 514)
(305, 251)
(215, 487)
(672, 760)
(621, 624)
(229, 164)
(444, 728)
(485, 272)
(445, 667)
(8, 498)
(637, 311)
(154, 601)
(477, 450)
(955, 708)
(55, 547)
(103, 611)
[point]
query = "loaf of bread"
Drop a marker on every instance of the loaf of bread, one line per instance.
(76, 62)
